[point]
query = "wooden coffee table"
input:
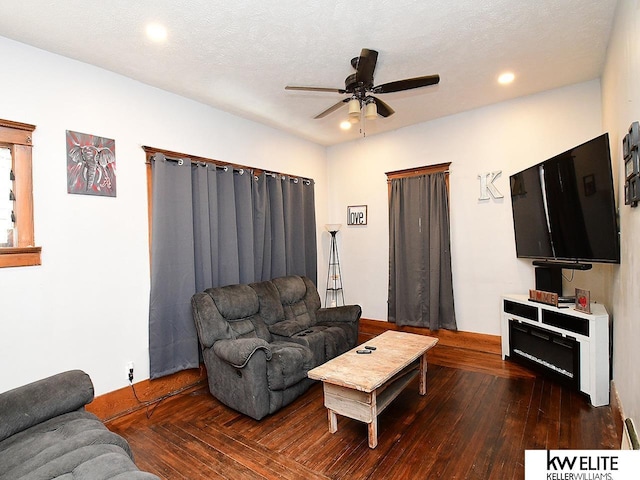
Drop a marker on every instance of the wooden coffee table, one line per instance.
(361, 386)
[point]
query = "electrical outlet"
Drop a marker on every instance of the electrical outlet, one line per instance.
(130, 371)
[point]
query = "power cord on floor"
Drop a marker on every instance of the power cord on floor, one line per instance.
(156, 402)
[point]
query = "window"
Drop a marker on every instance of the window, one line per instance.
(6, 202)
(420, 276)
(17, 245)
(414, 172)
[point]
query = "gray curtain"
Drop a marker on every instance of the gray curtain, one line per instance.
(214, 226)
(173, 344)
(420, 280)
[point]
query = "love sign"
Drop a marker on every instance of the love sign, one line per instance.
(357, 215)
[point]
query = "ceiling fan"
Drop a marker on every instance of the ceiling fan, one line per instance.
(360, 88)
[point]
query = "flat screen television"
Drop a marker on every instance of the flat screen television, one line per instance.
(564, 208)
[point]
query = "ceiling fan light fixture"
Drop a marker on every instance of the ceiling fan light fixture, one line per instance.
(354, 109)
(370, 110)
(360, 85)
(345, 125)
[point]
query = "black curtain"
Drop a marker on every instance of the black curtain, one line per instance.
(420, 279)
(215, 226)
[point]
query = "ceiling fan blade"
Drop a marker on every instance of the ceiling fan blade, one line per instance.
(331, 109)
(407, 84)
(384, 110)
(315, 89)
(365, 67)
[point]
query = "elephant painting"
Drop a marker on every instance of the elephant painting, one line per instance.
(91, 165)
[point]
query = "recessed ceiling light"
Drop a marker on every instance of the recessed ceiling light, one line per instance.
(345, 125)
(506, 78)
(156, 32)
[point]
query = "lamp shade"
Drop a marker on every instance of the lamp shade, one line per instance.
(371, 110)
(333, 227)
(354, 108)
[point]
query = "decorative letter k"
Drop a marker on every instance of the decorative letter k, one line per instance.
(487, 187)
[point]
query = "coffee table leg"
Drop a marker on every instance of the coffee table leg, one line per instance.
(372, 427)
(333, 421)
(373, 433)
(423, 374)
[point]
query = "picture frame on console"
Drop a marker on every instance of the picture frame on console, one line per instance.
(583, 300)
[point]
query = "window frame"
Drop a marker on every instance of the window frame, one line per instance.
(18, 137)
(416, 171)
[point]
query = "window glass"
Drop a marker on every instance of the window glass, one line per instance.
(7, 198)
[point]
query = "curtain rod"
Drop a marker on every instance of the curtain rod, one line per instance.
(180, 161)
(177, 156)
(417, 171)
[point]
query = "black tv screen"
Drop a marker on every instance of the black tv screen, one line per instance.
(564, 208)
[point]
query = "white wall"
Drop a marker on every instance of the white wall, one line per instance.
(509, 137)
(87, 305)
(621, 107)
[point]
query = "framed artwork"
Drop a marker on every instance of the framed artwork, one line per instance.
(634, 136)
(634, 190)
(91, 164)
(583, 300)
(357, 215)
(626, 147)
(628, 167)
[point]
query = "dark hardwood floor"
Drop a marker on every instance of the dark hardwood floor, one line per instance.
(478, 417)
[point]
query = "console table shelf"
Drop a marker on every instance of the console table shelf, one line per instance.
(569, 344)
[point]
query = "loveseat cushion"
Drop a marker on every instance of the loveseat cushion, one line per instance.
(227, 312)
(325, 342)
(289, 364)
(289, 328)
(235, 301)
(90, 462)
(271, 309)
(44, 444)
(36, 402)
(291, 289)
(294, 296)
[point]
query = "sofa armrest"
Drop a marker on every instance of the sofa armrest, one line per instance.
(36, 402)
(238, 352)
(343, 314)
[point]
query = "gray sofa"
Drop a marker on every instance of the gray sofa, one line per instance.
(260, 340)
(45, 433)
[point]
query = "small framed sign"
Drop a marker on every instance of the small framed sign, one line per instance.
(541, 296)
(357, 215)
(583, 301)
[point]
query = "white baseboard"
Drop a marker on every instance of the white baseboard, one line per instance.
(629, 432)
(629, 436)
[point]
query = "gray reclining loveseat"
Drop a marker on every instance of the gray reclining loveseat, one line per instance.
(260, 340)
(46, 433)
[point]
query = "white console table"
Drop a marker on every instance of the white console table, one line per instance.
(590, 331)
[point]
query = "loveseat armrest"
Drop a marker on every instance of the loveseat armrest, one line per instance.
(343, 314)
(36, 402)
(238, 352)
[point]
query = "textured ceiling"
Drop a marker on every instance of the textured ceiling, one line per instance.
(237, 56)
